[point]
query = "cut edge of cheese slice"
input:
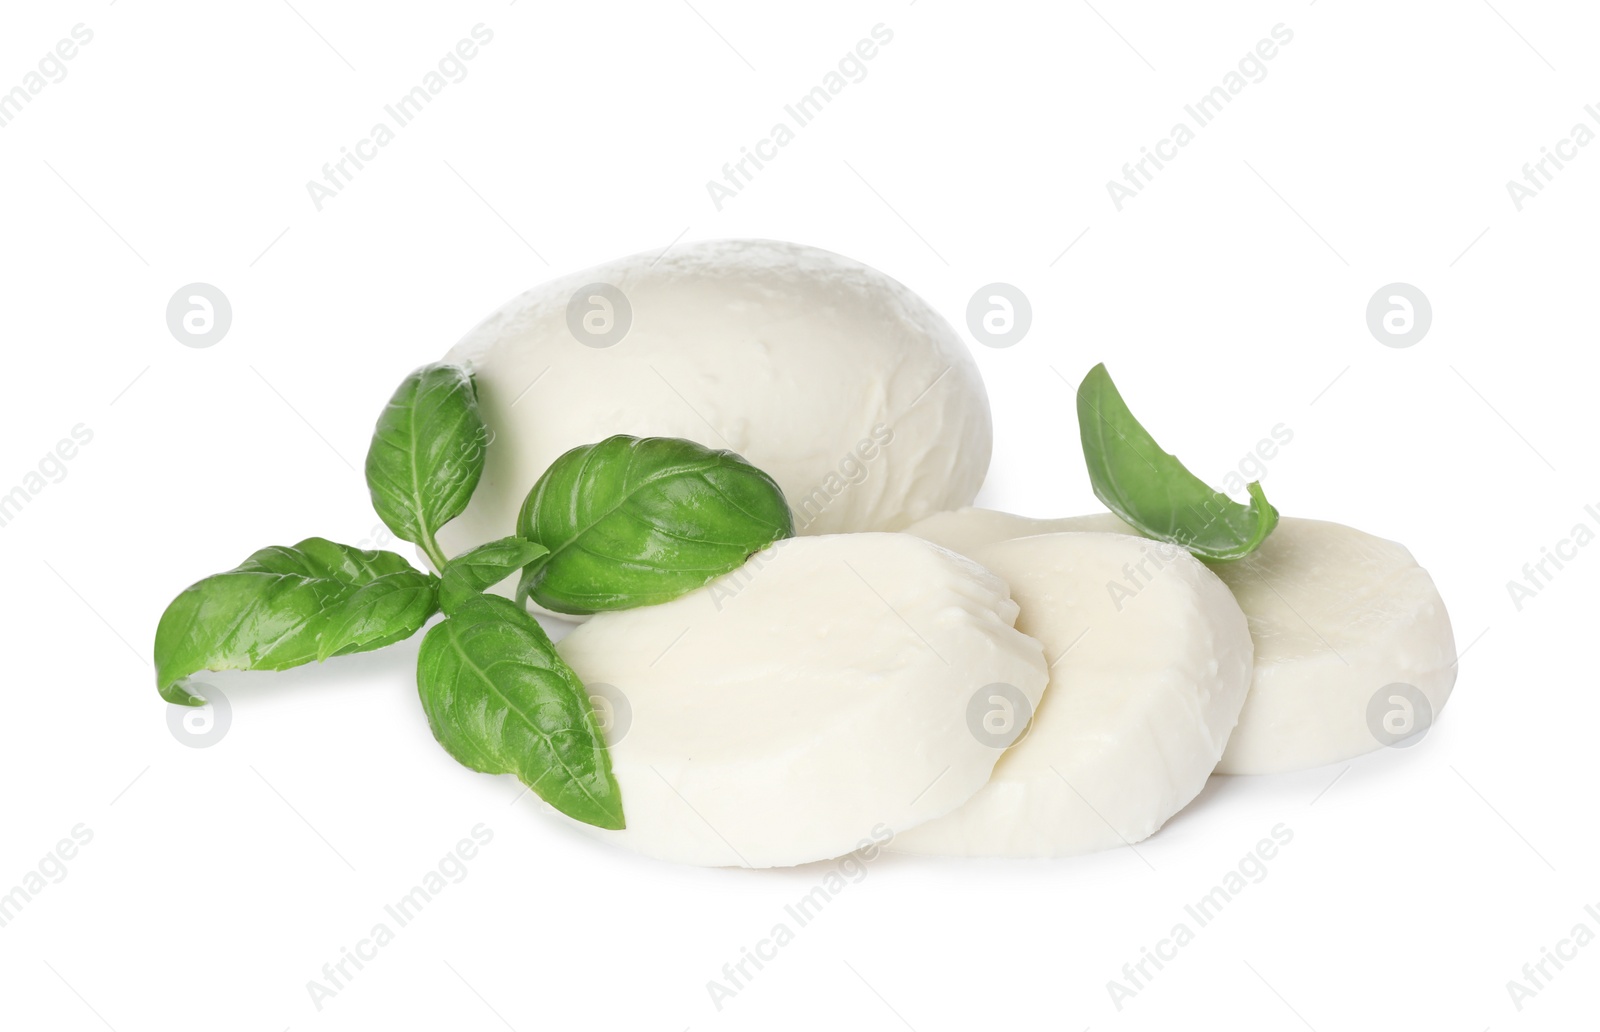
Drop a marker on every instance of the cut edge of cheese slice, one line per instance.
(1354, 648)
(816, 698)
(1151, 660)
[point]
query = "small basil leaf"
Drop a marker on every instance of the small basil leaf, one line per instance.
(502, 701)
(1152, 491)
(474, 572)
(638, 521)
(427, 455)
(286, 606)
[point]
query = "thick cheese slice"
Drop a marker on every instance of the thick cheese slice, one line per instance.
(1353, 645)
(1150, 664)
(816, 698)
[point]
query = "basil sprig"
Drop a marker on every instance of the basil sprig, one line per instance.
(501, 701)
(636, 521)
(1155, 493)
(496, 693)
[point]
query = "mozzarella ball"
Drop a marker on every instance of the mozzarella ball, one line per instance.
(1150, 664)
(816, 698)
(844, 386)
(1353, 645)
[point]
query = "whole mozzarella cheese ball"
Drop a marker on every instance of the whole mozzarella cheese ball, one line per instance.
(1145, 687)
(819, 697)
(844, 386)
(1353, 645)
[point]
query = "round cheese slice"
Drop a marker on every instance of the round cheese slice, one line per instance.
(815, 698)
(1353, 645)
(843, 385)
(1150, 663)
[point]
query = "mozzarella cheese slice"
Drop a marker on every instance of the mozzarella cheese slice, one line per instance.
(1150, 664)
(1353, 645)
(813, 699)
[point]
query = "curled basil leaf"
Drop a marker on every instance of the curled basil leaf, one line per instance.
(1152, 491)
(639, 521)
(502, 701)
(286, 606)
(427, 455)
(480, 569)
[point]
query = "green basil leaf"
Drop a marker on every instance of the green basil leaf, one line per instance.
(427, 455)
(286, 606)
(638, 521)
(474, 572)
(1152, 491)
(502, 701)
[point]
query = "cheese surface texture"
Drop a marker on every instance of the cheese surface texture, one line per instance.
(1146, 684)
(1352, 640)
(847, 388)
(818, 697)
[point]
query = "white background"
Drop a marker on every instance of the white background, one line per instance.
(1228, 297)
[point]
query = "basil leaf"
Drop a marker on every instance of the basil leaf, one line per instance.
(1152, 491)
(427, 455)
(483, 567)
(638, 521)
(286, 606)
(502, 701)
